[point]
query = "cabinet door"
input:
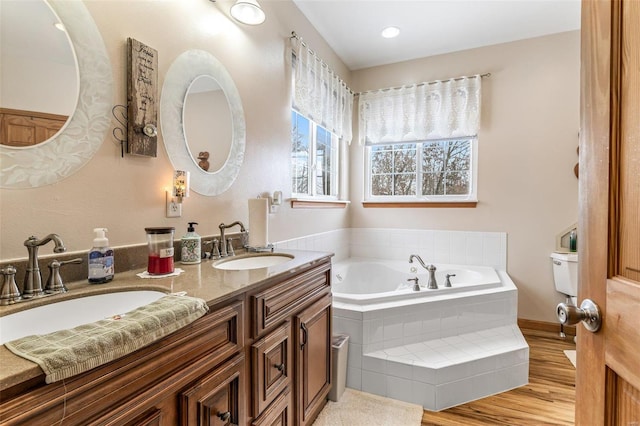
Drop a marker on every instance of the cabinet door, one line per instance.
(279, 413)
(270, 367)
(313, 359)
(216, 399)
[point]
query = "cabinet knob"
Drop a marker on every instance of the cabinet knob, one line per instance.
(279, 367)
(224, 416)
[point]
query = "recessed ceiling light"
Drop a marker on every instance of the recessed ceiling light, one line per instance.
(390, 32)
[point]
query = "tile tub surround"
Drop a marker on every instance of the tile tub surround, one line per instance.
(436, 353)
(452, 247)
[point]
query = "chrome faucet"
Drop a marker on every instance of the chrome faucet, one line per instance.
(33, 276)
(432, 284)
(223, 241)
(415, 256)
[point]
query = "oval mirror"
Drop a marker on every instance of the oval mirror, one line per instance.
(184, 74)
(75, 143)
(207, 123)
(39, 82)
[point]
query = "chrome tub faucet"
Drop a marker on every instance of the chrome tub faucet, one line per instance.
(432, 284)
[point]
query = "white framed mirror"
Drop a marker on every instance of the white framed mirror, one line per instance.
(80, 138)
(187, 72)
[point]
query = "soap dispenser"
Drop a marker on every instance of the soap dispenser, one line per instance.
(191, 246)
(101, 261)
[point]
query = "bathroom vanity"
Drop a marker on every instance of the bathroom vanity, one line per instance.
(260, 356)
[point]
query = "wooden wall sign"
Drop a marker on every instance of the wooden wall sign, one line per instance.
(142, 94)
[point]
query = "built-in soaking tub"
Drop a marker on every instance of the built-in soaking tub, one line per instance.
(365, 281)
(437, 348)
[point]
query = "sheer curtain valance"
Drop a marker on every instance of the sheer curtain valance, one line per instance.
(320, 94)
(426, 111)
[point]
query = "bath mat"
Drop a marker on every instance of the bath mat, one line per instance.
(359, 408)
(572, 356)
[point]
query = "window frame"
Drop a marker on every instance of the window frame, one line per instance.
(468, 200)
(312, 195)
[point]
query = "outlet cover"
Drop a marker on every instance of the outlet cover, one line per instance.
(173, 207)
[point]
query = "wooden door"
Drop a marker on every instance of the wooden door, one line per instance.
(608, 374)
(313, 360)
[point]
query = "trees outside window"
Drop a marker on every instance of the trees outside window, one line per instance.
(432, 169)
(314, 158)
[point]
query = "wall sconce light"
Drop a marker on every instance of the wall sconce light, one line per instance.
(180, 185)
(179, 190)
(248, 12)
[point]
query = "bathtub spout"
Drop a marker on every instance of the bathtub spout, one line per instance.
(415, 256)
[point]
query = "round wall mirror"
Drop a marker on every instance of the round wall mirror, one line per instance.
(218, 128)
(39, 82)
(66, 151)
(207, 123)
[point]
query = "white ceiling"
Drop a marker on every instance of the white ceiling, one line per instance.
(431, 27)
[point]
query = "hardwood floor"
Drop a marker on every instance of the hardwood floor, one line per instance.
(548, 399)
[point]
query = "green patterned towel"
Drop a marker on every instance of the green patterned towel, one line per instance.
(65, 353)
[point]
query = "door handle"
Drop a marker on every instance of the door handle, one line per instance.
(588, 313)
(304, 335)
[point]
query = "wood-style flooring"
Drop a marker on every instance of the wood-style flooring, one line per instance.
(548, 399)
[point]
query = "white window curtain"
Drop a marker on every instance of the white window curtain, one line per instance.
(320, 94)
(426, 111)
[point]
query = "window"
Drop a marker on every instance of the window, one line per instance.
(321, 125)
(421, 142)
(314, 159)
(441, 170)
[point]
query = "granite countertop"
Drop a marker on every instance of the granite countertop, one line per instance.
(201, 280)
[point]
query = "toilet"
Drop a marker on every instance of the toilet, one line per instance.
(565, 275)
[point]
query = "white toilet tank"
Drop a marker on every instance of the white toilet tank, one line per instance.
(565, 273)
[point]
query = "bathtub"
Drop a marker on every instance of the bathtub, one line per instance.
(367, 281)
(437, 348)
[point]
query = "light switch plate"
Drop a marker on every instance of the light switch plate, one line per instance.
(173, 207)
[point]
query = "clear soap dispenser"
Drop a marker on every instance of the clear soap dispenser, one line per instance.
(191, 246)
(101, 261)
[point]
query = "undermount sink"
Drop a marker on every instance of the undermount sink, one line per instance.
(71, 313)
(252, 261)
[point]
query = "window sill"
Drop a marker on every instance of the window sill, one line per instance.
(305, 203)
(419, 204)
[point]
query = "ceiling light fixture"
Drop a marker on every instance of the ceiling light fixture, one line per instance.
(248, 12)
(390, 32)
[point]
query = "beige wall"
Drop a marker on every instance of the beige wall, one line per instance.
(527, 151)
(127, 194)
(527, 143)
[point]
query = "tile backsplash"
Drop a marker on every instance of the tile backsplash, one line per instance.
(456, 247)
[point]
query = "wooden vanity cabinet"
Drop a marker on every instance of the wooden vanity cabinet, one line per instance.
(291, 320)
(260, 358)
(145, 387)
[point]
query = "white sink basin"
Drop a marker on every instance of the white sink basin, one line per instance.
(72, 313)
(253, 261)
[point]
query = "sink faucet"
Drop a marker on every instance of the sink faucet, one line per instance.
(223, 241)
(33, 276)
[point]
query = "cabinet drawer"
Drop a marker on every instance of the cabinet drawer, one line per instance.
(271, 367)
(215, 399)
(273, 305)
